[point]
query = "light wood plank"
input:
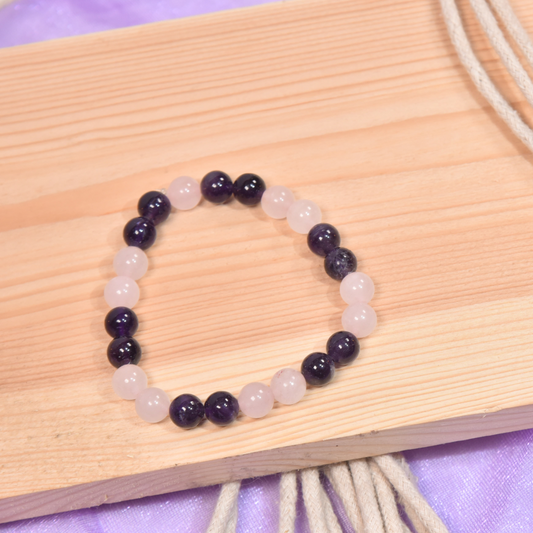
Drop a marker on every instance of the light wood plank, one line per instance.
(362, 107)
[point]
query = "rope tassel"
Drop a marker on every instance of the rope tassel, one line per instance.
(370, 490)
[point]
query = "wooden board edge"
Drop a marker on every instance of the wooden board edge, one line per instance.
(264, 463)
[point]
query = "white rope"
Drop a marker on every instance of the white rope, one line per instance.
(479, 75)
(513, 26)
(231, 526)
(387, 501)
(225, 515)
(288, 496)
(331, 518)
(400, 477)
(341, 479)
(408, 508)
(366, 496)
(313, 499)
(497, 39)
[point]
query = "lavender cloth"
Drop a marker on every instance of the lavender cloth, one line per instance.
(479, 486)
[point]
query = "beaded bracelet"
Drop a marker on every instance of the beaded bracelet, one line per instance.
(255, 399)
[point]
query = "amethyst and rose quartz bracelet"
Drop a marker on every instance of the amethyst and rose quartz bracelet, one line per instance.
(255, 399)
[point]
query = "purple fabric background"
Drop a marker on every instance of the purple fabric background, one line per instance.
(478, 486)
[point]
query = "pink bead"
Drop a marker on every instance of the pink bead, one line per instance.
(357, 287)
(256, 400)
(359, 319)
(121, 292)
(184, 193)
(129, 381)
(152, 404)
(131, 262)
(276, 201)
(288, 386)
(303, 215)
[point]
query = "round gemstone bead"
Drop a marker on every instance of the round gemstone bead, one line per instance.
(303, 215)
(129, 381)
(248, 189)
(184, 193)
(152, 405)
(131, 262)
(216, 187)
(288, 386)
(155, 206)
(343, 348)
(276, 201)
(121, 322)
(221, 408)
(186, 411)
(121, 291)
(256, 400)
(318, 369)
(357, 287)
(323, 238)
(124, 351)
(339, 263)
(140, 232)
(359, 319)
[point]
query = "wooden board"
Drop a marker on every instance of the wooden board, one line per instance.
(361, 107)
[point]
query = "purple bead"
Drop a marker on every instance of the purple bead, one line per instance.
(140, 232)
(343, 347)
(186, 411)
(339, 263)
(216, 187)
(155, 206)
(123, 351)
(221, 408)
(248, 189)
(323, 238)
(318, 369)
(121, 322)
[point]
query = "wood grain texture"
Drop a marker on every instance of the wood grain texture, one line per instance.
(361, 107)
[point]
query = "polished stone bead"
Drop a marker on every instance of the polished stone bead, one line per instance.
(288, 386)
(360, 319)
(323, 238)
(256, 400)
(121, 291)
(124, 351)
(248, 189)
(302, 215)
(339, 263)
(131, 262)
(140, 232)
(318, 369)
(184, 193)
(216, 187)
(129, 381)
(186, 411)
(357, 287)
(221, 408)
(121, 322)
(152, 405)
(343, 347)
(155, 206)
(276, 201)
